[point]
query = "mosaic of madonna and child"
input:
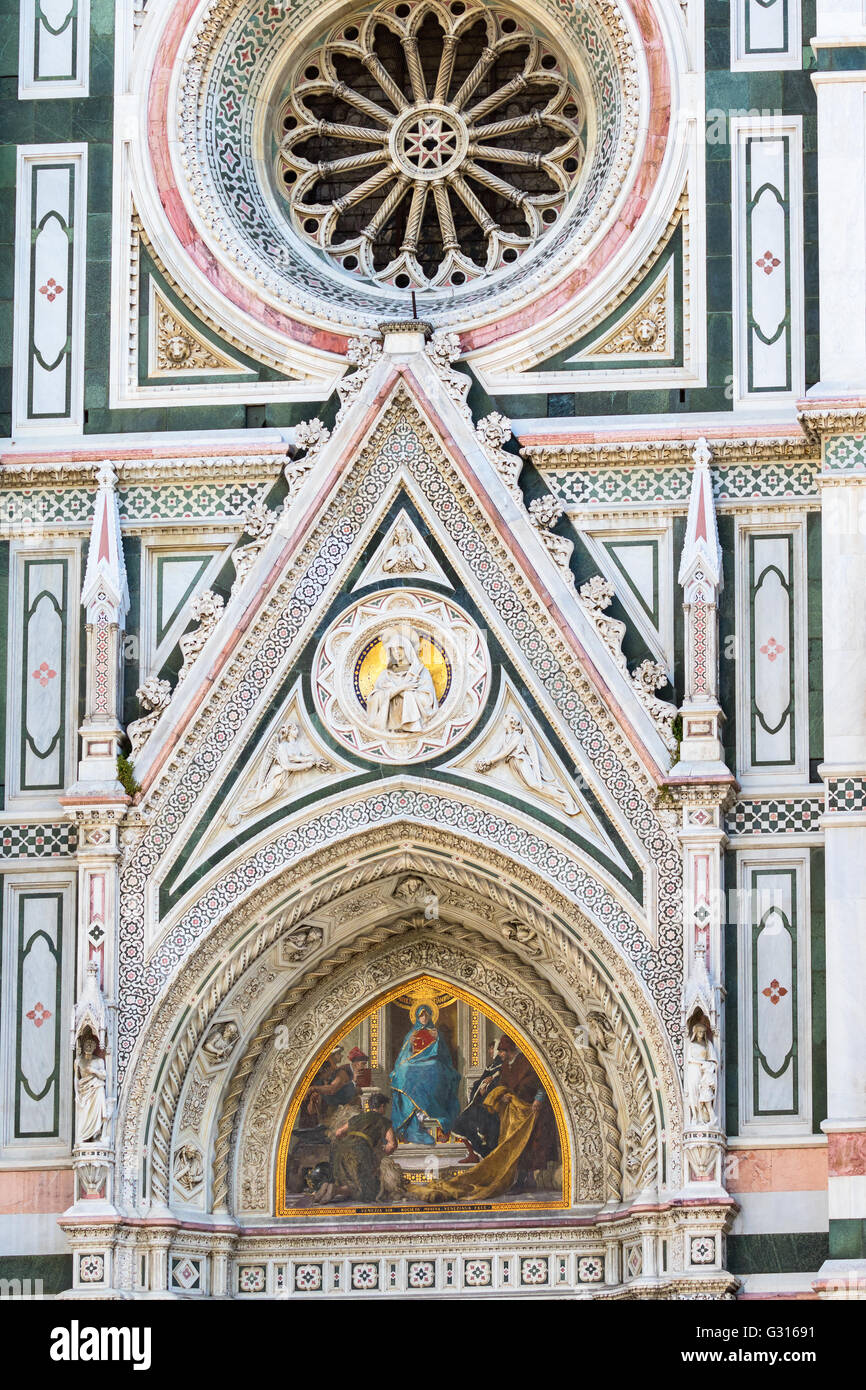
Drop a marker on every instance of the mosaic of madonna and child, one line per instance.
(427, 1100)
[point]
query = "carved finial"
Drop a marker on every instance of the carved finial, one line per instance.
(363, 353)
(310, 435)
(595, 596)
(544, 513)
(154, 697)
(206, 608)
(493, 430)
(702, 454)
(259, 520)
(646, 679)
(444, 349)
(106, 477)
(105, 573)
(701, 549)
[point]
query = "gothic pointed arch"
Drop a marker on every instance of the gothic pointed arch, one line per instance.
(264, 959)
(595, 715)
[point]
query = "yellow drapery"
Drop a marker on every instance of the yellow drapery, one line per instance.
(495, 1173)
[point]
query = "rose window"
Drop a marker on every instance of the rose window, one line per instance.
(424, 145)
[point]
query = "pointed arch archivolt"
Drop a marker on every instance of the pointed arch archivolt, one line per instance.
(506, 988)
(567, 956)
(306, 565)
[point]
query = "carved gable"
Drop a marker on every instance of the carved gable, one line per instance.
(391, 683)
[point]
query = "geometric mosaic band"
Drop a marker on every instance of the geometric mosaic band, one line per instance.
(47, 841)
(846, 794)
(731, 483)
(845, 453)
(774, 817)
(148, 502)
(138, 502)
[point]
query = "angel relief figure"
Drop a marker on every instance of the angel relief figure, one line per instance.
(404, 556)
(518, 750)
(286, 755)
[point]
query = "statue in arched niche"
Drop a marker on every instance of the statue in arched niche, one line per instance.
(91, 1103)
(90, 1077)
(702, 1072)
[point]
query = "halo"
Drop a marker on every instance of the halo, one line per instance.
(373, 659)
(420, 1001)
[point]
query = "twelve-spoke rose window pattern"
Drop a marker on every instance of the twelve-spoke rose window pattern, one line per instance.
(424, 145)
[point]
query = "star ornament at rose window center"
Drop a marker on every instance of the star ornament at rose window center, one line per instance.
(429, 144)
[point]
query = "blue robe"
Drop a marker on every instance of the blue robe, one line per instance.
(425, 1081)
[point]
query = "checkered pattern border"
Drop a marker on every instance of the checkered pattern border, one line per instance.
(774, 817)
(43, 841)
(846, 794)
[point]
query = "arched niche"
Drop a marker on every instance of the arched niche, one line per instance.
(251, 1145)
(558, 953)
(459, 1078)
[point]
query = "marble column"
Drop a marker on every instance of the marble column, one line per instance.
(835, 410)
(844, 822)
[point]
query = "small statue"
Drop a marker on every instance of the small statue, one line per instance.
(403, 699)
(188, 1168)
(702, 1070)
(408, 889)
(91, 1104)
(599, 1032)
(302, 941)
(522, 935)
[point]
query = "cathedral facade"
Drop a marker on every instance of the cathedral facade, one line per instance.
(434, 811)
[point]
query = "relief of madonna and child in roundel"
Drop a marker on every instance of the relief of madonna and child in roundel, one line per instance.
(401, 675)
(426, 1100)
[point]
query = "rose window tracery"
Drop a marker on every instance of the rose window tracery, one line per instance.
(425, 145)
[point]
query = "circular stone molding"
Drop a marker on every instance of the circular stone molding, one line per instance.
(566, 112)
(430, 144)
(401, 676)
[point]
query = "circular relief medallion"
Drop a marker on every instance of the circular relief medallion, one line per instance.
(401, 675)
